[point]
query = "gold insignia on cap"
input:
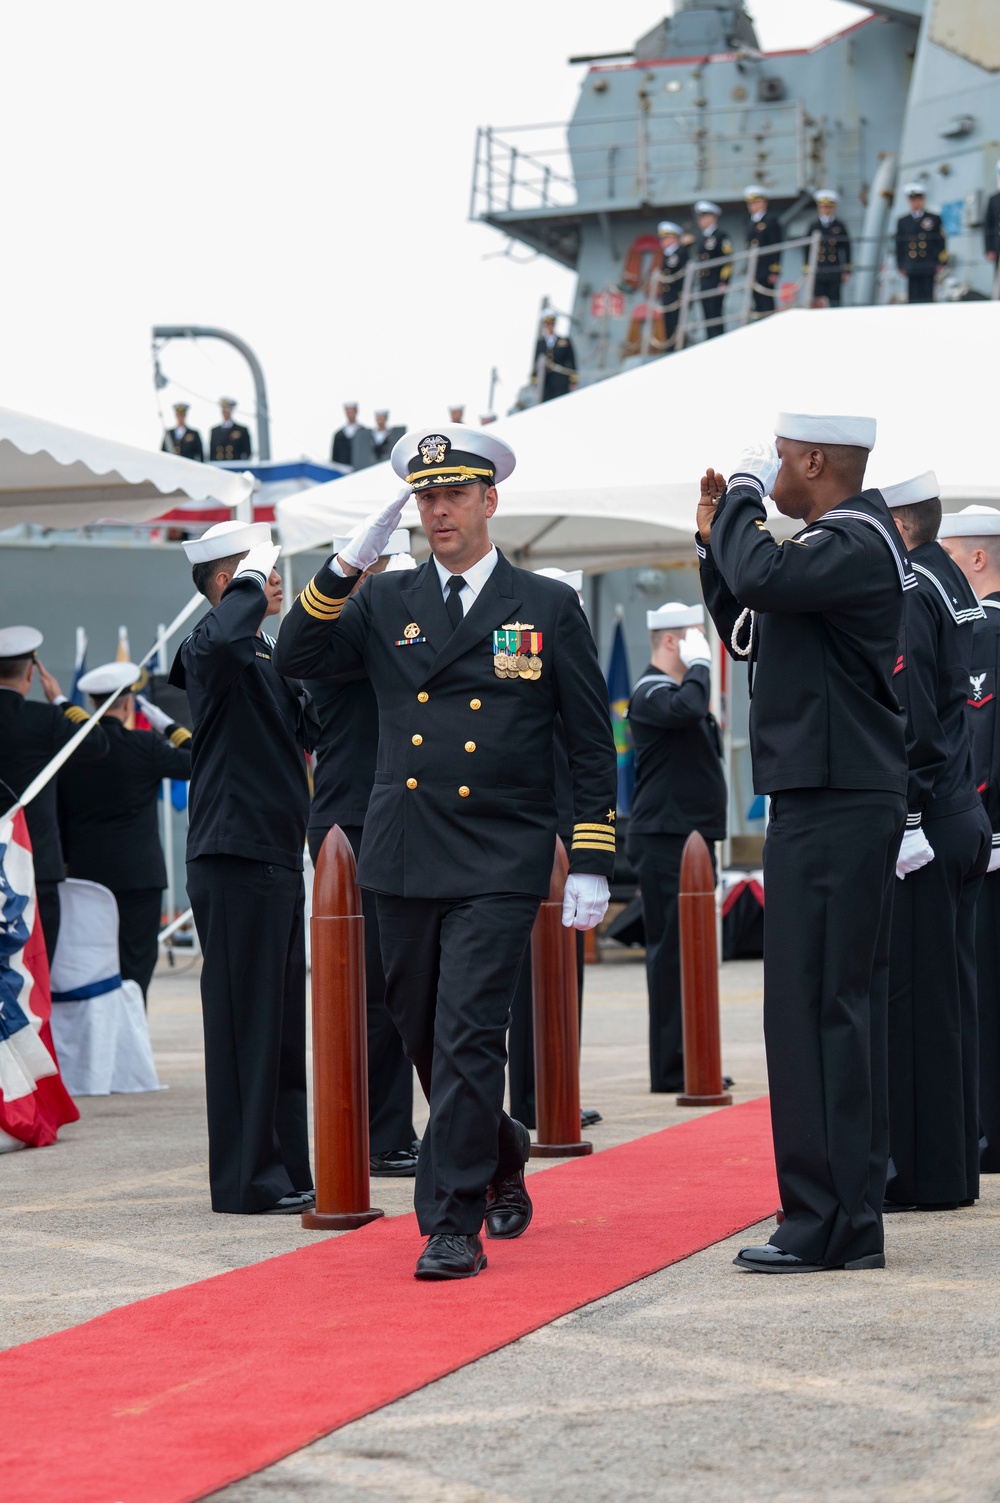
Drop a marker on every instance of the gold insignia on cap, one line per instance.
(411, 631)
(434, 448)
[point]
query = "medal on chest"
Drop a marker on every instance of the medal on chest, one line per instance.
(517, 650)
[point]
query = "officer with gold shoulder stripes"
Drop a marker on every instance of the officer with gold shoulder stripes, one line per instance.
(471, 660)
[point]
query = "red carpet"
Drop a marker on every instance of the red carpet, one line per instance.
(168, 1399)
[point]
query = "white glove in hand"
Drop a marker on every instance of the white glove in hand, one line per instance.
(994, 865)
(259, 562)
(368, 540)
(694, 648)
(157, 718)
(914, 853)
(759, 463)
(585, 900)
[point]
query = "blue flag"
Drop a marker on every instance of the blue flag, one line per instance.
(79, 667)
(619, 690)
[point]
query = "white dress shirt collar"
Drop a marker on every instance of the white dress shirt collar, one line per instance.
(475, 577)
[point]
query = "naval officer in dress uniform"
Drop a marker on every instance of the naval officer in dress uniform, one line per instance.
(921, 248)
(763, 231)
(108, 813)
(228, 440)
(819, 619)
(710, 243)
(471, 660)
(246, 836)
(971, 538)
(833, 258)
(673, 260)
(556, 358)
(933, 1057)
(679, 787)
(180, 439)
(343, 777)
(30, 736)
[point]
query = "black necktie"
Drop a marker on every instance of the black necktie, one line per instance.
(453, 604)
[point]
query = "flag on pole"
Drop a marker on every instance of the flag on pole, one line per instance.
(619, 691)
(123, 655)
(79, 666)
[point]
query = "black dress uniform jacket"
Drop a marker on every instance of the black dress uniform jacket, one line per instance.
(188, 446)
(763, 233)
(679, 782)
(249, 789)
(232, 442)
(346, 751)
(30, 735)
(556, 382)
(920, 243)
(464, 799)
(709, 246)
(834, 254)
(984, 724)
(991, 226)
(672, 264)
(108, 810)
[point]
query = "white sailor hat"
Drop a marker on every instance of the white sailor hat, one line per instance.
(350, 404)
(572, 577)
(110, 678)
(971, 522)
(223, 539)
(815, 428)
(827, 196)
(451, 455)
(908, 492)
(400, 561)
(754, 190)
(667, 227)
(914, 190)
(675, 613)
(19, 641)
(381, 412)
(399, 542)
(706, 206)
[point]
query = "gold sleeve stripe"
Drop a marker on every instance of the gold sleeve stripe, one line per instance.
(608, 836)
(605, 828)
(313, 602)
(326, 599)
(179, 735)
(593, 845)
(74, 713)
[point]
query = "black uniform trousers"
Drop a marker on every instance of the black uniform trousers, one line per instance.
(249, 916)
(521, 1041)
(138, 927)
(920, 287)
(763, 302)
(711, 308)
(988, 997)
(657, 860)
(49, 914)
(390, 1074)
(828, 287)
(933, 1027)
(829, 869)
(450, 968)
(670, 313)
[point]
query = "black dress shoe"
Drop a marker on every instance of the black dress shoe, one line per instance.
(291, 1205)
(398, 1163)
(508, 1204)
(588, 1117)
(449, 1255)
(771, 1259)
(892, 1207)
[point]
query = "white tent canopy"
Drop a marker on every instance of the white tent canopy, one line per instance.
(55, 477)
(610, 477)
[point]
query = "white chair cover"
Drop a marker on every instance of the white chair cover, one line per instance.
(101, 1039)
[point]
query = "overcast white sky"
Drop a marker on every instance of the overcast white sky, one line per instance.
(298, 174)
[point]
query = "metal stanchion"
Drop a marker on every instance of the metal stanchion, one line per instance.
(700, 978)
(340, 1044)
(557, 1025)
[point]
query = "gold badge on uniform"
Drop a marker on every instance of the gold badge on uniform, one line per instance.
(434, 448)
(517, 652)
(411, 636)
(413, 630)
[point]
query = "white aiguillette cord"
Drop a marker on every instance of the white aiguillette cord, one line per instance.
(734, 641)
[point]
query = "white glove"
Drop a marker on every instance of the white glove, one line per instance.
(157, 718)
(259, 562)
(694, 648)
(994, 865)
(585, 900)
(758, 464)
(367, 541)
(914, 853)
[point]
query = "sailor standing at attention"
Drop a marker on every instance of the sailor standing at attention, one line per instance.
(971, 538)
(246, 835)
(471, 660)
(820, 619)
(933, 1054)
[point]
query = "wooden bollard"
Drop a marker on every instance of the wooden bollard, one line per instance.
(557, 1025)
(699, 978)
(340, 1044)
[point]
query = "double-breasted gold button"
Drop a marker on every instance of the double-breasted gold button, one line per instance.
(475, 704)
(463, 792)
(417, 740)
(470, 746)
(423, 696)
(411, 782)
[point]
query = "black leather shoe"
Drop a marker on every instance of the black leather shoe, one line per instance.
(588, 1117)
(398, 1163)
(771, 1259)
(508, 1204)
(449, 1255)
(292, 1205)
(892, 1207)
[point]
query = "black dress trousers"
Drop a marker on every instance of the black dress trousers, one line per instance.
(451, 967)
(829, 869)
(988, 995)
(249, 916)
(933, 1027)
(657, 860)
(390, 1074)
(711, 309)
(920, 287)
(828, 287)
(138, 927)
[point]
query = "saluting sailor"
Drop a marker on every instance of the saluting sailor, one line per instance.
(820, 619)
(971, 538)
(933, 1059)
(246, 835)
(471, 660)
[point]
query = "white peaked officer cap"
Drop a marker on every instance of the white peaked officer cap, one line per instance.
(675, 613)
(827, 196)
(226, 538)
(19, 641)
(667, 227)
(572, 577)
(921, 488)
(814, 428)
(399, 542)
(110, 678)
(754, 190)
(912, 189)
(451, 455)
(706, 206)
(971, 522)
